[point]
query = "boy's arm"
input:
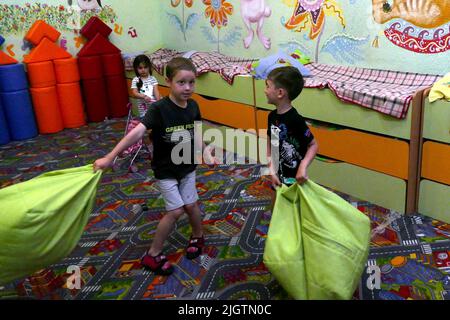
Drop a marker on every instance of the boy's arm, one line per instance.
(302, 174)
(131, 138)
(273, 173)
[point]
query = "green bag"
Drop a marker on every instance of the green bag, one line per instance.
(41, 220)
(317, 244)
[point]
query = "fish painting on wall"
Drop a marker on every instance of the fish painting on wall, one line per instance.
(421, 26)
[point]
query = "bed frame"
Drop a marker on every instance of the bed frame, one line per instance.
(434, 194)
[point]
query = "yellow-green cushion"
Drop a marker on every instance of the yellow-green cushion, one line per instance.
(41, 220)
(317, 244)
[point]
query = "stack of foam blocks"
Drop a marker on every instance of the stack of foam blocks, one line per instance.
(17, 120)
(102, 73)
(54, 81)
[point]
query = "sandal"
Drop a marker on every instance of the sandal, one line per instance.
(159, 264)
(194, 248)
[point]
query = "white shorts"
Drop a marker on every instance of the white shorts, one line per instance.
(178, 193)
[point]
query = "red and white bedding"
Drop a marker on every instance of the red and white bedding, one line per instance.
(228, 67)
(388, 92)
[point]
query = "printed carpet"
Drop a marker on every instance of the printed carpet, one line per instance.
(411, 252)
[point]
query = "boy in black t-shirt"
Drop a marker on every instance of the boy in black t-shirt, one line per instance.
(171, 120)
(288, 135)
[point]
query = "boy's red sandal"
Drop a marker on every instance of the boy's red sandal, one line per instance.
(159, 264)
(194, 248)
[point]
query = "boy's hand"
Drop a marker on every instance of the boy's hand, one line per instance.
(302, 175)
(148, 99)
(275, 180)
(102, 163)
(209, 158)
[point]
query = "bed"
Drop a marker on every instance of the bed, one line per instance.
(434, 195)
(224, 87)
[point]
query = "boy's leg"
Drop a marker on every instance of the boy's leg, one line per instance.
(189, 194)
(195, 219)
(163, 230)
(155, 259)
(174, 206)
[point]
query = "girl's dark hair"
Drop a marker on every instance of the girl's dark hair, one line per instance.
(146, 62)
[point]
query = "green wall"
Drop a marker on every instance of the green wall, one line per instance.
(348, 35)
(126, 18)
(362, 43)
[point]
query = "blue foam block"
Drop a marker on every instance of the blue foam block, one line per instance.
(19, 114)
(13, 78)
(2, 40)
(4, 133)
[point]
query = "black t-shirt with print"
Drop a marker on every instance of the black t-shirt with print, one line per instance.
(172, 125)
(292, 136)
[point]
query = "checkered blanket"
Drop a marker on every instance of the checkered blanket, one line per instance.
(227, 67)
(389, 92)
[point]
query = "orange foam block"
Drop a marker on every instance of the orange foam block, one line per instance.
(66, 70)
(94, 26)
(41, 74)
(46, 109)
(40, 30)
(5, 59)
(99, 45)
(46, 50)
(71, 104)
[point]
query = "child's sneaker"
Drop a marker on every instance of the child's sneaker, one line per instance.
(159, 264)
(194, 248)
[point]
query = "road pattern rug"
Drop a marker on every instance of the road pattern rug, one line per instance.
(409, 257)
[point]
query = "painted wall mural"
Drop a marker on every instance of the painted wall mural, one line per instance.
(255, 11)
(183, 24)
(421, 26)
(132, 28)
(310, 15)
(359, 33)
(18, 19)
(88, 4)
(217, 11)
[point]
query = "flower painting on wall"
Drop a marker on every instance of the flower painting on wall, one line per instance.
(217, 11)
(310, 14)
(184, 24)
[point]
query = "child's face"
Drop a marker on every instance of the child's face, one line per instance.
(182, 85)
(143, 70)
(271, 92)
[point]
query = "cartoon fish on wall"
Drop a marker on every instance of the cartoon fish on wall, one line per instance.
(423, 29)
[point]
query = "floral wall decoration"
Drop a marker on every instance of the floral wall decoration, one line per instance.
(184, 24)
(310, 14)
(17, 19)
(218, 11)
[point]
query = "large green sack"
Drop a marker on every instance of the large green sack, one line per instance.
(317, 244)
(41, 220)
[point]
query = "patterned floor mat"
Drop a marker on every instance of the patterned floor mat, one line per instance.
(409, 254)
